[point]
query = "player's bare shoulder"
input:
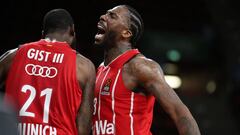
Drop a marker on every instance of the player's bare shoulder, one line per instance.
(7, 58)
(83, 61)
(143, 67)
(85, 69)
(5, 63)
(141, 71)
(84, 64)
(9, 54)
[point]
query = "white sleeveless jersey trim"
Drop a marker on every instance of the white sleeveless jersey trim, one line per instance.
(130, 113)
(113, 98)
(102, 64)
(53, 40)
(115, 59)
(99, 96)
(98, 76)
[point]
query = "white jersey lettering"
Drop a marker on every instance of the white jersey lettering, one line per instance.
(38, 55)
(36, 129)
(104, 127)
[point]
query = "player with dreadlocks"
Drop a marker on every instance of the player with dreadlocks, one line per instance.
(127, 82)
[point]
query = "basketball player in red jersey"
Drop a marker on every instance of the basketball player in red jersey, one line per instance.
(127, 82)
(49, 83)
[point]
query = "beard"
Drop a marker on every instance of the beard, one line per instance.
(109, 40)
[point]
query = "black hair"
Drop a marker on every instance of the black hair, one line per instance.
(57, 20)
(136, 24)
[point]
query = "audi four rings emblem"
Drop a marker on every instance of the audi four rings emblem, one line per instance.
(42, 71)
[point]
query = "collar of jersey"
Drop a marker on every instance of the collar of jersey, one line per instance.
(54, 41)
(121, 59)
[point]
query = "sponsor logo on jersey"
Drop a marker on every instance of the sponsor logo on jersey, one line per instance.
(106, 87)
(104, 127)
(42, 71)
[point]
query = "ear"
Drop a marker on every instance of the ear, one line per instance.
(72, 31)
(126, 33)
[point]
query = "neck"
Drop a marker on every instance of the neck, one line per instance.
(58, 37)
(111, 53)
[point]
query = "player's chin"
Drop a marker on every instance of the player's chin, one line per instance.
(96, 42)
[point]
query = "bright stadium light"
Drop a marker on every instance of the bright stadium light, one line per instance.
(174, 55)
(173, 81)
(211, 87)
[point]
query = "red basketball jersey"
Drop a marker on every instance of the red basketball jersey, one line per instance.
(118, 110)
(42, 85)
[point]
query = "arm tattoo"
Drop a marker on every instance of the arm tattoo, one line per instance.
(187, 126)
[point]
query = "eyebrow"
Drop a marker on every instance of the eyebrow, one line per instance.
(111, 12)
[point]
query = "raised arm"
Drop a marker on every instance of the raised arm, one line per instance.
(151, 77)
(86, 76)
(5, 63)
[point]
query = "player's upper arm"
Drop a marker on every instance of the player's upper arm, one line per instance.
(5, 63)
(86, 76)
(150, 76)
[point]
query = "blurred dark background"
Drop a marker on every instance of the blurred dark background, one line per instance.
(197, 41)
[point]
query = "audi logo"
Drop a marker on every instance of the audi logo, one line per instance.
(43, 71)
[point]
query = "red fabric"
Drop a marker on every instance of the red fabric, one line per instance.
(119, 111)
(44, 73)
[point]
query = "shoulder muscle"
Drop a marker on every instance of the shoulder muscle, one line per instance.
(146, 70)
(85, 70)
(5, 63)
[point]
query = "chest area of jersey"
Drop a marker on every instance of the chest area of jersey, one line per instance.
(109, 84)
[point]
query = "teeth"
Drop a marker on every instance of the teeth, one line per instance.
(99, 26)
(98, 36)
